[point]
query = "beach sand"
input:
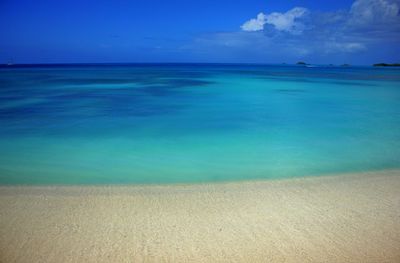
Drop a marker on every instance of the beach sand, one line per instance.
(344, 218)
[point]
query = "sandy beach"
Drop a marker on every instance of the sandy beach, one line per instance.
(344, 218)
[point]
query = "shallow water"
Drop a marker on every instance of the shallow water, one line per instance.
(106, 124)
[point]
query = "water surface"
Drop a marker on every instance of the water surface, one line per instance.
(113, 124)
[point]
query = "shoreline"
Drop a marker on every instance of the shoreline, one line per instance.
(330, 218)
(387, 171)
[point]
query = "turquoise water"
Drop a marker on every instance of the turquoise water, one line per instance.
(115, 124)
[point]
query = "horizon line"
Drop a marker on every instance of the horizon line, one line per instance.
(11, 64)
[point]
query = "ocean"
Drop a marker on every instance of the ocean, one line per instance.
(194, 123)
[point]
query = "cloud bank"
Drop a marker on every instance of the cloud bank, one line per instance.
(366, 12)
(367, 32)
(288, 22)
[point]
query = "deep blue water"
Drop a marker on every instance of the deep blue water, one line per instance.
(166, 123)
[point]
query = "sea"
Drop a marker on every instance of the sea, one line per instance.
(101, 124)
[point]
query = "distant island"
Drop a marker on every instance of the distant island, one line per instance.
(387, 65)
(301, 63)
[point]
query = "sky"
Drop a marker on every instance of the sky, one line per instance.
(204, 31)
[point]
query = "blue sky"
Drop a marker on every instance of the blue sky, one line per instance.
(341, 31)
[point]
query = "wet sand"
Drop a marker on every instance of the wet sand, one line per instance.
(344, 218)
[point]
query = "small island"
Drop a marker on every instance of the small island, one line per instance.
(387, 65)
(301, 63)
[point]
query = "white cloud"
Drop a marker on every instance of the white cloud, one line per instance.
(255, 24)
(364, 12)
(351, 47)
(288, 22)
